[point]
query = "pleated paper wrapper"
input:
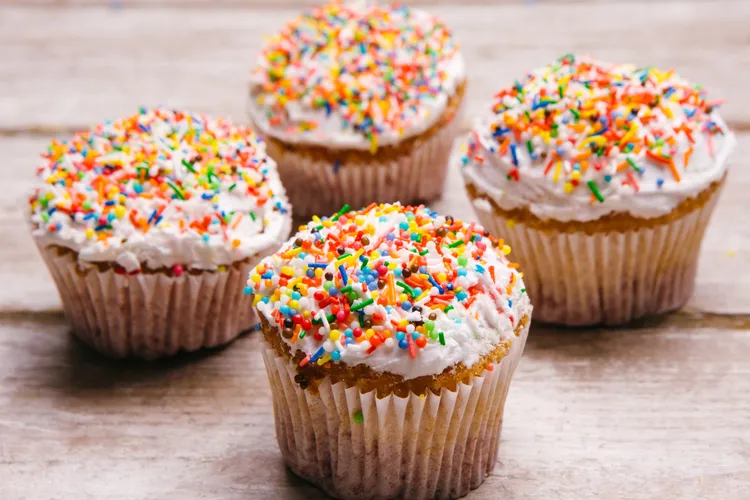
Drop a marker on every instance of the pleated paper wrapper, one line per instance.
(434, 446)
(608, 277)
(316, 186)
(150, 315)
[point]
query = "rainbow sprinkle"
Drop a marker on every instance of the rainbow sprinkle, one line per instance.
(376, 66)
(157, 170)
(588, 125)
(391, 277)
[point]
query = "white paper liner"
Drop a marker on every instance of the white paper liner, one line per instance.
(436, 446)
(610, 278)
(151, 315)
(315, 187)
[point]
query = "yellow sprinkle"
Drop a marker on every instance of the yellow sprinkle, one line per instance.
(334, 335)
(235, 243)
(89, 233)
(287, 270)
(255, 278)
(294, 304)
(256, 299)
(120, 211)
(568, 187)
(558, 166)
(510, 223)
(731, 253)
(325, 359)
(506, 250)
(575, 175)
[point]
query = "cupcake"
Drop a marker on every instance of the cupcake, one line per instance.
(603, 178)
(358, 103)
(390, 336)
(149, 226)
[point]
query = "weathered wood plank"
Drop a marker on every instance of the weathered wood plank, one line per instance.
(723, 283)
(640, 413)
(70, 67)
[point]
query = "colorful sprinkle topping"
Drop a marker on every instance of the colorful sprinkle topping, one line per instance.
(160, 187)
(376, 70)
(591, 126)
(402, 289)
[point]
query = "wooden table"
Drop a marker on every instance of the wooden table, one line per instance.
(657, 410)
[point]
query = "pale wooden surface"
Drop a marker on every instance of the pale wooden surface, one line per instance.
(658, 410)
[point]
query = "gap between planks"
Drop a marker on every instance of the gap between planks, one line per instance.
(45, 131)
(683, 319)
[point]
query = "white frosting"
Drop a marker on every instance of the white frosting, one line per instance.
(468, 332)
(525, 184)
(288, 116)
(252, 224)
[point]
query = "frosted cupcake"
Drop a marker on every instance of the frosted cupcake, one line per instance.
(390, 338)
(603, 178)
(149, 225)
(358, 104)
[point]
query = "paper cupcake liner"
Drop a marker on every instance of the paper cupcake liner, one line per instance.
(316, 185)
(415, 447)
(607, 277)
(150, 315)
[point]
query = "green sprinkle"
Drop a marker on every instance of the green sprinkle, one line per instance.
(447, 309)
(442, 338)
(346, 289)
(342, 257)
(456, 244)
(252, 215)
(364, 262)
(358, 417)
(301, 335)
(330, 317)
(530, 147)
(233, 186)
(341, 212)
(188, 166)
(405, 287)
(596, 192)
(45, 217)
(364, 303)
(523, 290)
(575, 114)
(462, 261)
(424, 252)
(632, 164)
(177, 190)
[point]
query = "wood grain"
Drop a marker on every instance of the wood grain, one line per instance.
(71, 67)
(720, 287)
(642, 413)
(658, 410)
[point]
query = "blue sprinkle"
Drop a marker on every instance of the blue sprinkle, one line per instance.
(248, 290)
(436, 284)
(152, 217)
(400, 336)
(110, 217)
(659, 182)
(321, 265)
(403, 344)
(310, 273)
(390, 237)
(404, 226)
(256, 327)
(462, 271)
(284, 309)
(348, 332)
(480, 269)
(607, 178)
(335, 355)
(510, 303)
(344, 277)
(513, 153)
(205, 237)
(336, 164)
(333, 291)
(406, 305)
(296, 295)
(317, 354)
